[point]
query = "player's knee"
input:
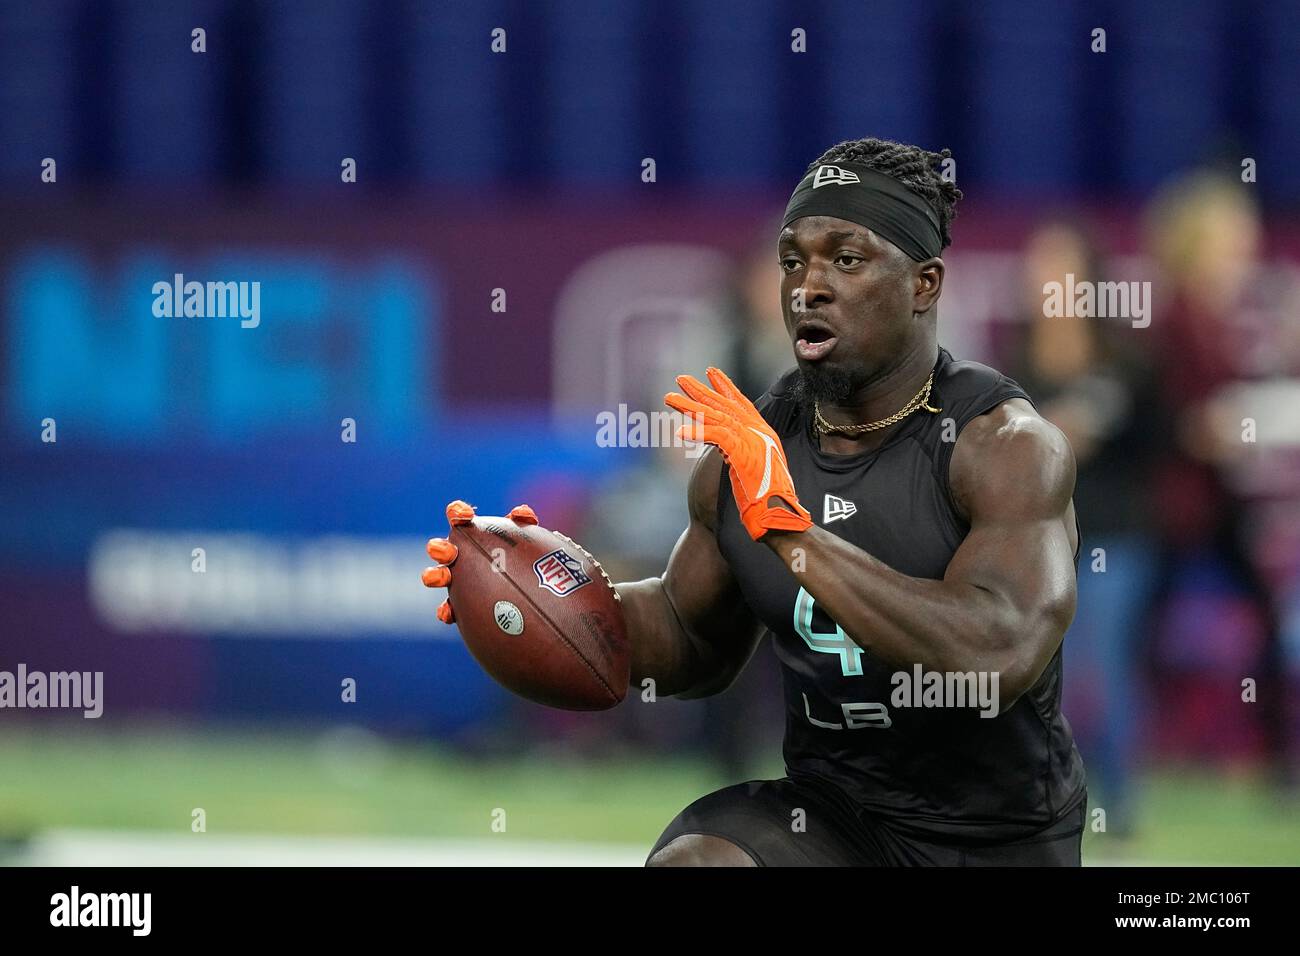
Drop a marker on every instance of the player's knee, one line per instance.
(698, 849)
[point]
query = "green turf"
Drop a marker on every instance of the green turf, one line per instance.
(292, 783)
(1192, 816)
(301, 783)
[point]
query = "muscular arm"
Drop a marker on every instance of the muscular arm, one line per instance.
(690, 630)
(1008, 594)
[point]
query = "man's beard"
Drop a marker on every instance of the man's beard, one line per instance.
(825, 385)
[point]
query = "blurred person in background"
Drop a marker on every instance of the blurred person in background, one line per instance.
(758, 351)
(631, 521)
(1204, 233)
(635, 519)
(750, 712)
(1094, 385)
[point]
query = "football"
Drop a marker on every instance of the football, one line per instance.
(539, 614)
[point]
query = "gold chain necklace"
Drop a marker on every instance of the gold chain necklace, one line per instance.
(919, 400)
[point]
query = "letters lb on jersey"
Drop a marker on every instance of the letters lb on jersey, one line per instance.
(560, 572)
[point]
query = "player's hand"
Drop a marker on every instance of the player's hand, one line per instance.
(444, 552)
(724, 417)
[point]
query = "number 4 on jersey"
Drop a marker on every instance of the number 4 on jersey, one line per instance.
(826, 642)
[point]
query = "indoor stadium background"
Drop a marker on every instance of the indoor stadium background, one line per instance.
(502, 271)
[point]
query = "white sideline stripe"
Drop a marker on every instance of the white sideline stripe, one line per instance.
(74, 847)
(79, 848)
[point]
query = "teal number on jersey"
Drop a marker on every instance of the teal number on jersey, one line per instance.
(826, 642)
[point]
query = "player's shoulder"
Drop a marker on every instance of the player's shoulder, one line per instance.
(1010, 453)
(963, 380)
(1014, 427)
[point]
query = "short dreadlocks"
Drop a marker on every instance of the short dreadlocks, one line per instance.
(910, 165)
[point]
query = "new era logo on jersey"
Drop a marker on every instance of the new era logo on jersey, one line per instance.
(835, 509)
(560, 572)
(833, 176)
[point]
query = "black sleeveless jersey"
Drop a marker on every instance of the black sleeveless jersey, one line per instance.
(944, 772)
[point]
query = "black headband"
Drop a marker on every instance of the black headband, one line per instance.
(872, 199)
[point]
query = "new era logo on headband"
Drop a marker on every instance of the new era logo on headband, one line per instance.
(875, 200)
(834, 176)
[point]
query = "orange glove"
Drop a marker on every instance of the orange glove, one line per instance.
(724, 417)
(444, 552)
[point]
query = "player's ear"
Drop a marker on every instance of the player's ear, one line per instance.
(929, 284)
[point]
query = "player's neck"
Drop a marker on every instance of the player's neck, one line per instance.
(878, 400)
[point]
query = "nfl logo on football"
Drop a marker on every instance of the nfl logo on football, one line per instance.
(560, 572)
